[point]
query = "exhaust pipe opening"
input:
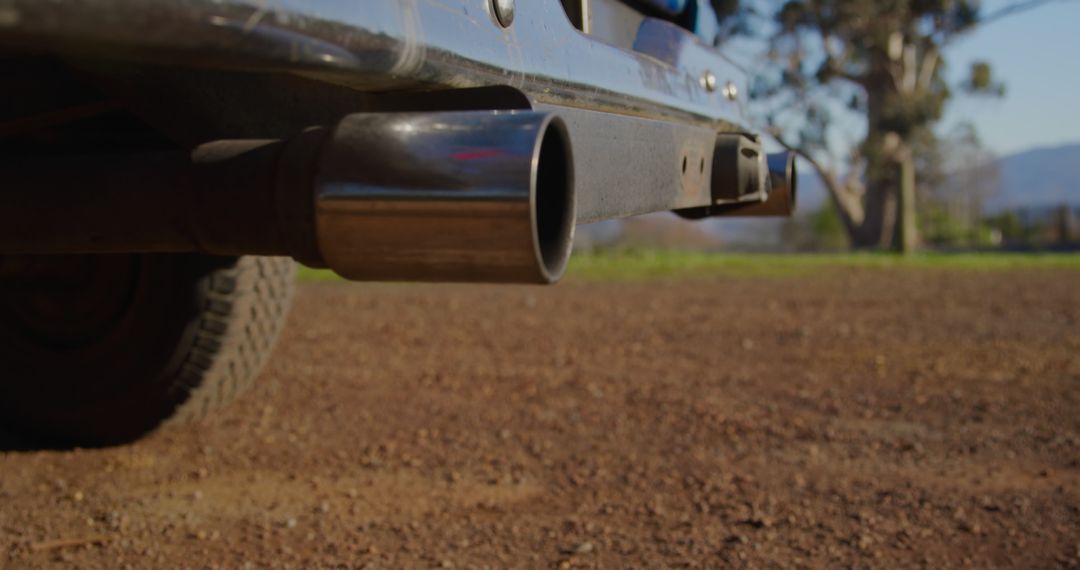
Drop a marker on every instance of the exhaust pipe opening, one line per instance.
(466, 197)
(553, 200)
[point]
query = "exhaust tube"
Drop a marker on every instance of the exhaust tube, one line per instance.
(781, 198)
(472, 197)
(466, 196)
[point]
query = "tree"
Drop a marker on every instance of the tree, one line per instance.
(882, 62)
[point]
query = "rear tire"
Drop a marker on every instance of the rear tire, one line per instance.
(102, 349)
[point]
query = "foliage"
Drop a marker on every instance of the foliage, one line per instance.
(1009, 225)
(820, 230)
(940, 228)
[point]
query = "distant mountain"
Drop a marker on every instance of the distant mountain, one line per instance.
(1039, 178)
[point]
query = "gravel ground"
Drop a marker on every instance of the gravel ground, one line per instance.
(860, 418)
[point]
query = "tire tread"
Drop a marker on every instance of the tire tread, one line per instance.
(243, 311)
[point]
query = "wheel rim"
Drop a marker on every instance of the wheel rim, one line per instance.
(66, 302)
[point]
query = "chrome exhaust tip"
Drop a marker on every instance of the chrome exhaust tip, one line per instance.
(469, 197)
(553, 201)
(782, 175)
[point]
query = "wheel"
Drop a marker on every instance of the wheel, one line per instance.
(100, 349)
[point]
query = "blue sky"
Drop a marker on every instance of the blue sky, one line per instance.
(1037, 54)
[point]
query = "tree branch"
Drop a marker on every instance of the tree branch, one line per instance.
(835, 62)
(929, 66)
(909, 69)
(847, 203)
(1010, 10)
(1016, 8)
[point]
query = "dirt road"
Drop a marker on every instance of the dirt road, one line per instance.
(862, 418)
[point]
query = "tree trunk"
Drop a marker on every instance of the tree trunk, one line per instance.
(907, 230)
(874, 223)
(889, 219)
(879, 216)
(884, 216)
(887, 216)
(870, 223)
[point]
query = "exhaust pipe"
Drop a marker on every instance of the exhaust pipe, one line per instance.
(746, 182)
(464, 196)
(781, 197)
(446, 197)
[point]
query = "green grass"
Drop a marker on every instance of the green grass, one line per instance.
(645, 264)
(309, 275)
(634, 264)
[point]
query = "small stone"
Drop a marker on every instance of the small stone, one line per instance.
(969, 526)
(865, 541)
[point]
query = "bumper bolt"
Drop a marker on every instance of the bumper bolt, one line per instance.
(504, 11)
